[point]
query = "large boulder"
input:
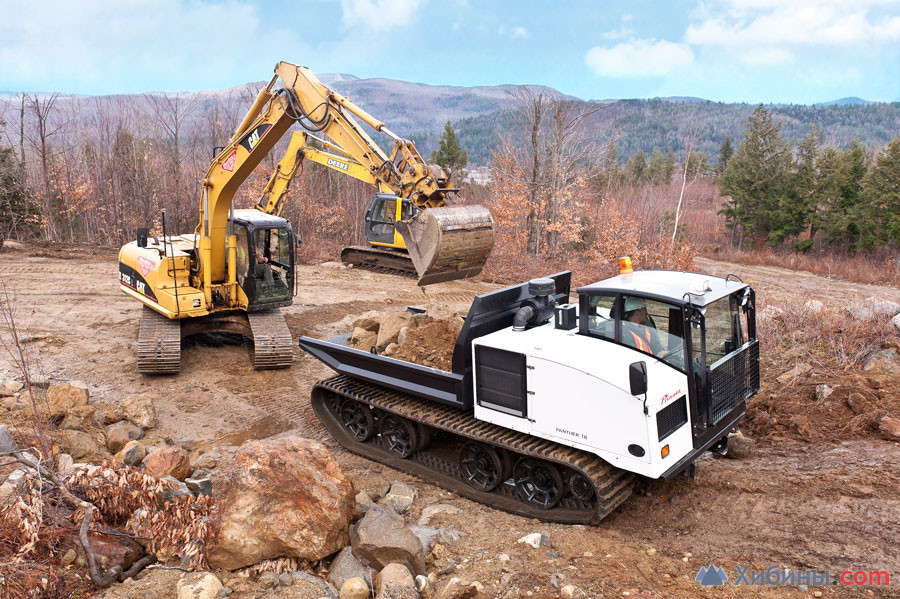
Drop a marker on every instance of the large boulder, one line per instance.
(9, 387)
(382, 537)
(62, 398)
(390, 327)
(168, 461)
(78, 418)
(7, 443)
(111, 550)
(281, 497)
(140, 411)
(369, 321)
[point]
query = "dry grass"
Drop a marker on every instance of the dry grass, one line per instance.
(877, 268)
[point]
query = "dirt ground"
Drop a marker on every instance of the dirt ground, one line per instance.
(829, 504)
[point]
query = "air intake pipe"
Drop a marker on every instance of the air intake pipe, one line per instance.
(538, 309)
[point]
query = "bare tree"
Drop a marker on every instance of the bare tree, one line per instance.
(691, 140)
(42, 107)
(171, 111)
(557, 155)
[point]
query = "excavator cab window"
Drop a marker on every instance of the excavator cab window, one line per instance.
(270, 265)
(381, 218)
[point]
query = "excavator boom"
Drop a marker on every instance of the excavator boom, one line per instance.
(444, 241)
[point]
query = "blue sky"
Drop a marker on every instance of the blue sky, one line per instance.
(799, 51)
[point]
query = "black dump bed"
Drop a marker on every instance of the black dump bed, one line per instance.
(489, 313)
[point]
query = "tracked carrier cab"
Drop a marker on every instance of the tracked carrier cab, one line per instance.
(552, 409)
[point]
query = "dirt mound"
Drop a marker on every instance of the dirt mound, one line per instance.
(418, 338)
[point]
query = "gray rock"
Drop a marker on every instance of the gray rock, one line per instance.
(199, 483)
(11, 487)
(363, 502)
(199, 585)
(431, 511)
(346, 566)
(896, 322)
(132, 454)
(330, 591)
(883, 362)
(7, 443)
(422, 583)
(883, 307)
(554, 581)
(119, 434)
(381, 537)
(798, 370)
(285, 579)
(268, 580)
(174, 488)
(859, 311)
(739, 447)
(427, 535)
(814, 306)
(400, 498)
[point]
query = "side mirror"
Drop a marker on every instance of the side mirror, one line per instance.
(298, 240)
(142, 237)
(637, 376)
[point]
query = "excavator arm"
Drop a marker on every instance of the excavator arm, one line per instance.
(444, 244)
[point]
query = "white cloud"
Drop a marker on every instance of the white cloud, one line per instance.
(513, 33)
(380, 15)
(639, 58)
(793, 23)
(520, 33)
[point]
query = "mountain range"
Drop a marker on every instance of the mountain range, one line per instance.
(483, 116)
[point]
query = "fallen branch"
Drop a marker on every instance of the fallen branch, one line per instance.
(88, 509)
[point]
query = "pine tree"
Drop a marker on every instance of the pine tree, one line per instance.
(725, 153)
(656, 170)
(449, 153)
(636, 168)
(839, 189)
(669, 167)
(757, 183)
(880, 211)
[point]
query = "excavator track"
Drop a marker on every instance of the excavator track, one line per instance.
(443, 431)
(159, 344)
(371, 258)
(272, 345)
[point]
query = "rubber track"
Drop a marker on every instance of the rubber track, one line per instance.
(369, 258)
(159, 344)
(612, 486)
(272, 345)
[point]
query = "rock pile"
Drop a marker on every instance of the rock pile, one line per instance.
(425, 338)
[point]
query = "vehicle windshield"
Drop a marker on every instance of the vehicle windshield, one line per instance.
(271, 252)
(647, 325)
(726, 327)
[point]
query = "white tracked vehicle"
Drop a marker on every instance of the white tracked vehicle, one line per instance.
(552, 409)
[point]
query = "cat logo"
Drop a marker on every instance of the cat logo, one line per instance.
(251, 140)
(341, 165)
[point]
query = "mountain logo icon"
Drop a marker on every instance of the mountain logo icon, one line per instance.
(711, 576)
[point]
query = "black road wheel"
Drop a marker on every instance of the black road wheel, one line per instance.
(538, 483)
(581, 487)
(481, 466)
(399, 435)
(357, 420)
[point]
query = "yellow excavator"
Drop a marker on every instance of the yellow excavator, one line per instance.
(236, 270)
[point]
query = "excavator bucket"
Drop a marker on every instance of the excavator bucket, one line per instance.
(448, 243)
